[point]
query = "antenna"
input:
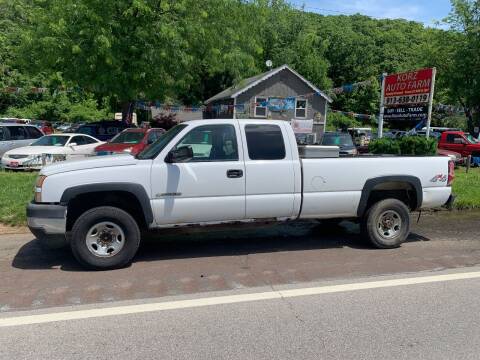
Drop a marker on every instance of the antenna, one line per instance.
(269, 63)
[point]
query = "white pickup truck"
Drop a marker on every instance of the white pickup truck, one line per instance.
(207, 172)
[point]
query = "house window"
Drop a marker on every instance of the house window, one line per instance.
(301, 109)
(261, 107)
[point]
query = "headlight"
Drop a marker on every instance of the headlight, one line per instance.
(38, 188)
(127, 150)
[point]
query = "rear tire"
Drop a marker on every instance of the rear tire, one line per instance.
(105, 238)
(387, 224)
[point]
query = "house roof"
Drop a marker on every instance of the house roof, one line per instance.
(245, 84)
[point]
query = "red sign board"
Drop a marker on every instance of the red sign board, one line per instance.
(413, 87)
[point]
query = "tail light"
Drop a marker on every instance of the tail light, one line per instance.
(451, 172)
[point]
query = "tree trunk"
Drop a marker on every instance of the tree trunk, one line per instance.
(127, 112)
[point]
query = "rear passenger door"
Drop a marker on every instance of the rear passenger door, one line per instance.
(269, 170)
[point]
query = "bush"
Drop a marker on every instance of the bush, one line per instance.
(407, 145)
(384, 146)
(418, 145)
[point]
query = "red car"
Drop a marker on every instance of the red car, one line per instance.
(131, 140)
(45, 126)
(460, 142)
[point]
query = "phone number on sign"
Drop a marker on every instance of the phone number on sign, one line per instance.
(412, 99)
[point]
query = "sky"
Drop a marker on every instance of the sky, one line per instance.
(425, 11)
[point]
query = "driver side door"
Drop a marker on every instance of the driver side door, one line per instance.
(210, 186)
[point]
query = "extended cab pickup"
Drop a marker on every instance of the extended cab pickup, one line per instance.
(459, 142)
(207, 172)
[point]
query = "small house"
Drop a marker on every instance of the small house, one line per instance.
(278, 94)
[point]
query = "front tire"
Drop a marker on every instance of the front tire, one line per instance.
(387, 224)
(105, 238)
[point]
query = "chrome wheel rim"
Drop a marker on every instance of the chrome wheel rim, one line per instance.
(389, 224)
(105, 239)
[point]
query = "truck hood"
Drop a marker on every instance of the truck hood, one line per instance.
(93, 163)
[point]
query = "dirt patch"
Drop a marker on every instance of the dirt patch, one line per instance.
(7, 229)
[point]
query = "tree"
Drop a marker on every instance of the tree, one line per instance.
(462, 49)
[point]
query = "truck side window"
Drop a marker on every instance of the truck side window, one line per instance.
(265, 142)
(211, 143)
(451, 138)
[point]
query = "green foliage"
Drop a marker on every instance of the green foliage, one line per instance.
(338, 121)
(407, 145)
(384, 146)
(61, 108)
(417, 145)
(189, 50)
(16, 191)
(466, 187)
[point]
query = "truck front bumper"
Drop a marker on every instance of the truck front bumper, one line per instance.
(47, 222)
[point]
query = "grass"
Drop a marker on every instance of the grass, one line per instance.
(16, 191)
(467, 189)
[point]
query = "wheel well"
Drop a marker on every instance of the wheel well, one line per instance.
(121, 199)
(403, 191)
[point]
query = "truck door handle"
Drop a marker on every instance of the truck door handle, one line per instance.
(234, 173)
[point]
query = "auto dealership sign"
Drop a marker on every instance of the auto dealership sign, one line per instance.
(413, 87)
(407, 97)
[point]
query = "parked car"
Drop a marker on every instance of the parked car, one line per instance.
(16, 135)
(49, 148)
(45, 126)
(460, 142)
(433, 134)
(130, 140)
(342, 140)
(454, 156)
(207, 172)
(103, 130)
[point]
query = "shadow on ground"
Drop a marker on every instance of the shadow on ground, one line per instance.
(214, 242)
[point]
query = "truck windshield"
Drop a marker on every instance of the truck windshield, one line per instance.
(472, 139)
(128, 137)
(153, 150)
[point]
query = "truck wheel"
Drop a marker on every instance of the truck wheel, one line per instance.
(387, 224)
(105, 238)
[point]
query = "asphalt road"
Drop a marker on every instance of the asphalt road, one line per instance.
(191, 261)
(227, 294)
(433, 320)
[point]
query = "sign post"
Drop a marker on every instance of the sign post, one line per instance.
(382, 107)
(430, 103)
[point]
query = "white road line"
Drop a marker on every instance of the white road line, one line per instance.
(231, 299)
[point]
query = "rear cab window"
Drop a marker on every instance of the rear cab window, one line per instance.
(265, 142)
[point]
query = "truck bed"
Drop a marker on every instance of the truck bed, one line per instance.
(339, 182)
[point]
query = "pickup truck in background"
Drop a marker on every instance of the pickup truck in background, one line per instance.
(458, 141)
(206, 172)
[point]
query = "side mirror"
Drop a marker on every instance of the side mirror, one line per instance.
(150, 141)
(183, 154)
(72, 145)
